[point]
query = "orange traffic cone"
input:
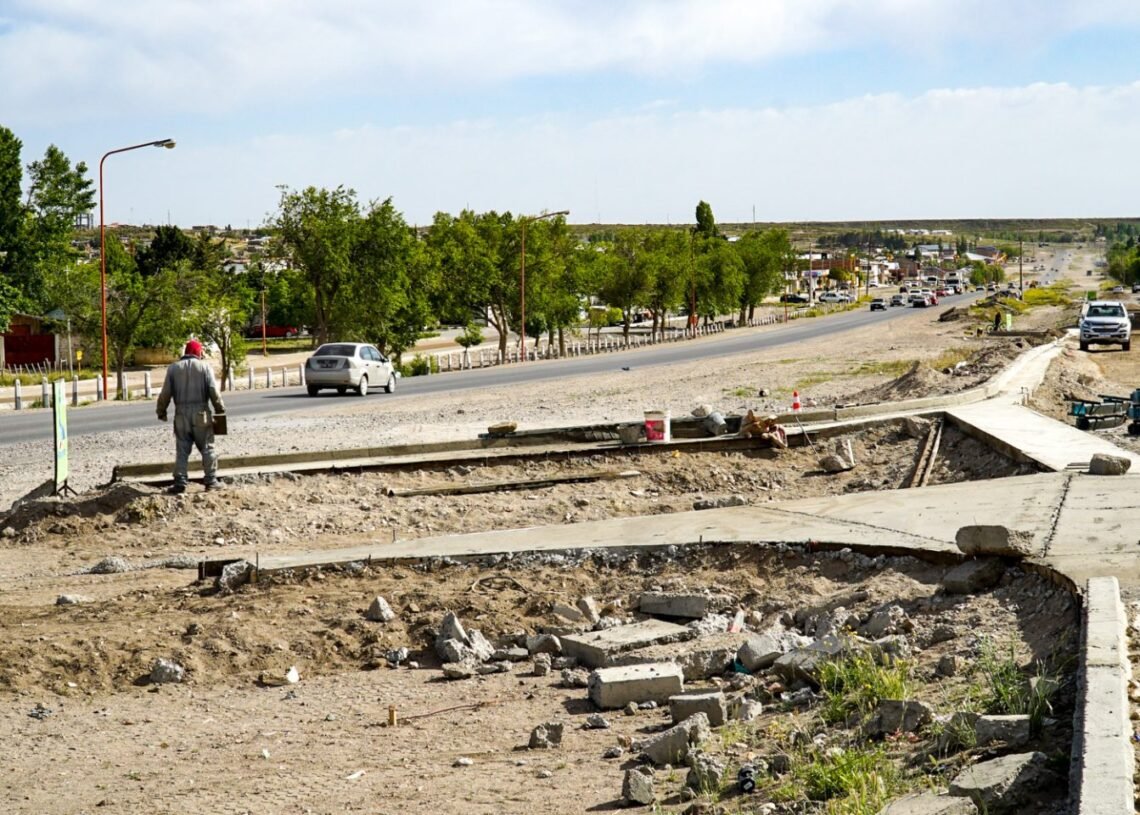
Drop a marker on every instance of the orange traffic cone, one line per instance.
(795, 401)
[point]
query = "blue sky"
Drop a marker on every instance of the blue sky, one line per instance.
(621, 112)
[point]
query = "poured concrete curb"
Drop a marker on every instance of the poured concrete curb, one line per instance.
(1102, 751)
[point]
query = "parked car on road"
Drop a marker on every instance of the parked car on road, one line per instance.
(919, 300)
(798, 299)
(878, 304)
(273, 331)
(833, 297)
(344, 365)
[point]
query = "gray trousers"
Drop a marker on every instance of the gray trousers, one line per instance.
(187, 435)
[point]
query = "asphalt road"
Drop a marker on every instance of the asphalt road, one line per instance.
(35, 425)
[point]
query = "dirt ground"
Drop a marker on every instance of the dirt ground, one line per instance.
(94, 735)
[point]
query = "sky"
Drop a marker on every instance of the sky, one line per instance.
(620, 111)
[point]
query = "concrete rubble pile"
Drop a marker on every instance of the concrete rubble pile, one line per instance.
(709, 663)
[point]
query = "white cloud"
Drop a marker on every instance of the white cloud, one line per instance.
(78, 60)
(1043, 150)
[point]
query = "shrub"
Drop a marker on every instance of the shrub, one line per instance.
(857, 684)
(419, 366)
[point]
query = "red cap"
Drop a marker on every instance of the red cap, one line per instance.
(194, 348)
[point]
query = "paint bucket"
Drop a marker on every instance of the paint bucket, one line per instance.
(658, 427)
(629, 433)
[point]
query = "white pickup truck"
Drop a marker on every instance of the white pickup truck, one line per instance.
(1105, 322)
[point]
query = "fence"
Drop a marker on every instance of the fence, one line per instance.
(141, 386)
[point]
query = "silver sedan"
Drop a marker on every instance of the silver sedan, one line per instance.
(344, 365)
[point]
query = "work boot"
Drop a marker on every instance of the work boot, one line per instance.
(176, 489)
(214, 485)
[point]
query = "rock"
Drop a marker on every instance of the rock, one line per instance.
(396, 656)
(1002, 785)
(672, 746)
(510, 655)
(563, 663)
(804, 663)
(759, 652)
(630, 709)
(9, 532)
(705, 772)
(166, 670)
(596, 721)
(947, 665)
(886, 620)
(637, 787)
(463, 669)
(701, 411)
(1105, 464)
(544, 774)
(543, 644)
(973, 576)
(999, 541)
(451, 629)
(898, 716)
(614, 752)
(748, 710)
(929, 803)
(71, 599)
(541, 664)
(834, 464)
(940, 633)
(958, 732)
(234, 575)
(690, 605)
(380, 611)
(503, 667)
(479, 645)
(720, 503)
(590, 609)
(546, 736)
(502, 428)
(450, 650)
(1012, 730)
(915, 428)
(575, 678)
(462, 761)
(570, 613)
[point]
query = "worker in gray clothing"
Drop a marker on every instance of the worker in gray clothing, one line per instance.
(190, 383)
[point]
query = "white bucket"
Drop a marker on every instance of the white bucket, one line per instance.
(658, 426)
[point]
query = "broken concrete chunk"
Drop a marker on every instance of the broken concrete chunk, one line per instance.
(596, 721)
(705, 772)
(596, 649)
(637, 786)
(712, 704)
(590, 609)
(502, 428)
(1000, 541)
(541, 664)
(543, 644)
(672, 746)
(567, 612)
(575, 679)
(1105, 464)
(613, 688)
(890, 619)
(973, 576)
(1002, 785)
(1012, 730)
(546, 736)
(929, 803)
(898, 716)
(463, 669)
(510, 654)
(71, 599)
(493, 668)
(379, 611)
(761, 650)
(690, 605)
(915, 428)
(451, 629)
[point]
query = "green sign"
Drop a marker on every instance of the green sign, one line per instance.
(59, 412)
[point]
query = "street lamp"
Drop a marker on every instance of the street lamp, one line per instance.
(522, 276)
(169, 145)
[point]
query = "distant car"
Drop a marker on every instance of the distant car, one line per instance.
(274, 331)
(979, 288)
(878, 304)
(1135, 288)
(944, 292)
(344, 365)
(1118, 290)
(898, 300)
(799, 299)
(919, 300)
(832, 297)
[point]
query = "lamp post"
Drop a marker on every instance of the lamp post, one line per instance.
(522, 276)
(169, 145)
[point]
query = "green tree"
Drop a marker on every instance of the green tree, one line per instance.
(318, 229)
(221, 303)
(167, 248)
(720, 278)
(57, 195)
(387, 290)
(706, 224)
(11, 208)
(625, 277)
(765, 255)
(668, 251)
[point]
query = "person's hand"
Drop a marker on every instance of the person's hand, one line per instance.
(162, 417)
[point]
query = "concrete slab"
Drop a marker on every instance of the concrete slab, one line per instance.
(613, 688)
(597, 649)
(699, 658)
(1026, 435)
